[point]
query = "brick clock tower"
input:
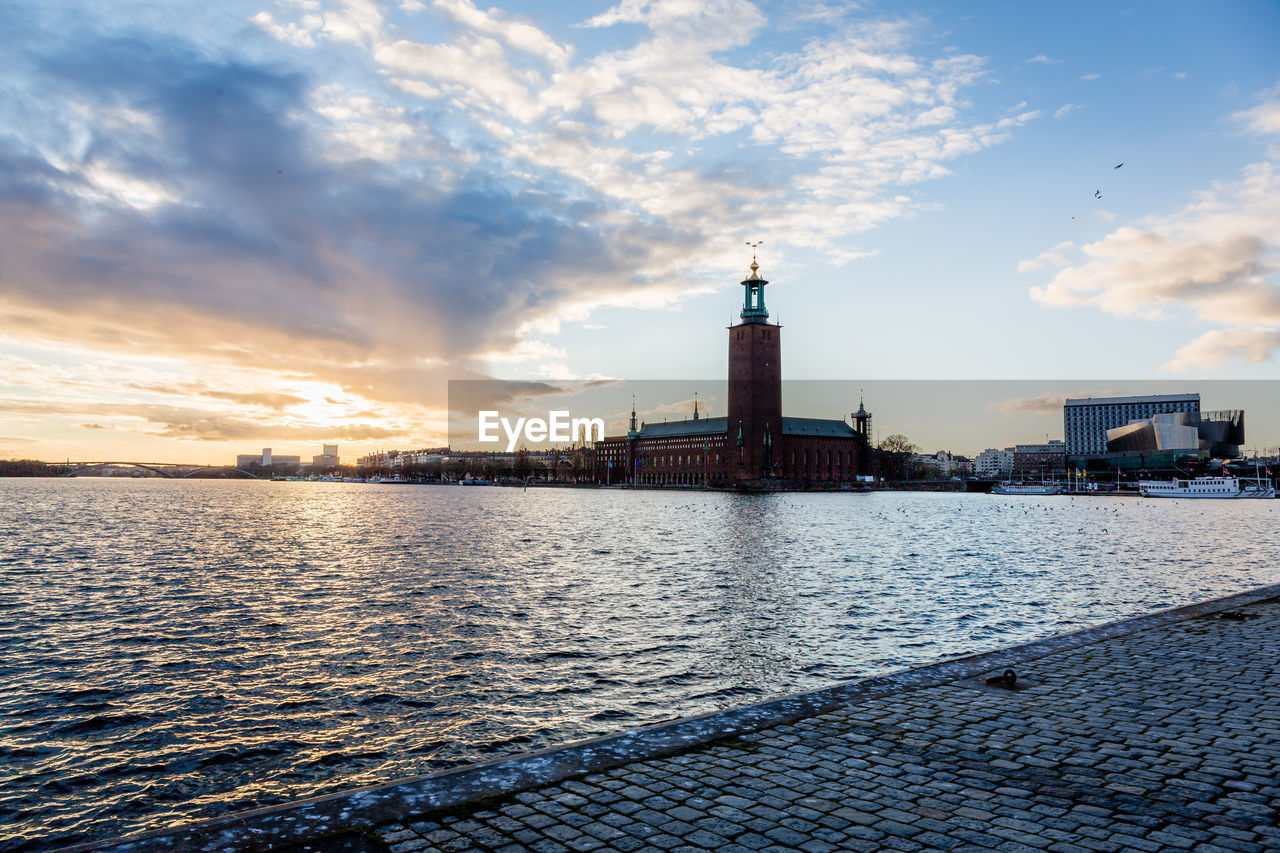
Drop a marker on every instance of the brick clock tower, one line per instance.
(754, 440)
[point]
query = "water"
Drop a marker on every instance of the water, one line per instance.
(171, 650)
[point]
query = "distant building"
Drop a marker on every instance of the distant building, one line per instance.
(993, 463)
(327, 460)
(383, 460)
(267, 460)
(1087, 419)
(944, 462)
(1040, 460)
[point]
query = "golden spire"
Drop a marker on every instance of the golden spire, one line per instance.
(754, 266)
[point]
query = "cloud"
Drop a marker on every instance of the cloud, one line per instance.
(1264, 119)
(191, 424)
(521, 36)
(96, 426)
(265, 399)
(1222, 347)
(1089, 78)
(298, 35)
(1040, 59)
(273, 238)
(1066, 110)
(1055, 257)
(1048, 403)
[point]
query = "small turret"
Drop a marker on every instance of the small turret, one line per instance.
(862, 420)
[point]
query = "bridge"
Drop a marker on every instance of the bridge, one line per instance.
(171, 470)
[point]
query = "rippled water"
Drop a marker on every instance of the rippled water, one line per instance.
(175, 650)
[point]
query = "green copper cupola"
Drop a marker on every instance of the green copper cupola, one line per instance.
(753, 310)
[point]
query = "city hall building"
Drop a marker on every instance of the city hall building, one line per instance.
(755, 445)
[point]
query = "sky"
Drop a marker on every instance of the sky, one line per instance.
(232, 225)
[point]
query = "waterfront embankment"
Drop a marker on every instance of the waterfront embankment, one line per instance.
(1159, 732)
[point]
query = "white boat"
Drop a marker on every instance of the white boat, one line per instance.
(1222, 488)
(1026, 489)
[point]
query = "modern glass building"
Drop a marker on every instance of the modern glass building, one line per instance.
(1087, 419)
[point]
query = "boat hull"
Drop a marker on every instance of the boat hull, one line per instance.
(1004, 489)
(1209, 488)
(1245, 495)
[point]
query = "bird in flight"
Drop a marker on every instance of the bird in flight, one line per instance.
(1097, 193)
(1117, 166)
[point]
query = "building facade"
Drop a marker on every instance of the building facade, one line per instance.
(944, 462)
(1041, 461)
(754, 445)
(1086, 420)
(328, 459)
(992, 463)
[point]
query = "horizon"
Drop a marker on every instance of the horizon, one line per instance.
(290, 224)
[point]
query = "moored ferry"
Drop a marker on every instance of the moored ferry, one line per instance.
(1224, 488)
(1026, 489)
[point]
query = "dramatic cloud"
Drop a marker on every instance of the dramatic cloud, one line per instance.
(440, 206)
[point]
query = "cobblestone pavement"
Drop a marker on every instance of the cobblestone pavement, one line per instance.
(1167, 739)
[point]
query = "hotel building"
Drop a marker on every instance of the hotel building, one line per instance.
(1087, 419)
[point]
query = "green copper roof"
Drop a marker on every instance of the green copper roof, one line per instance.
(703, 426)
(719, 426)
(817, 426)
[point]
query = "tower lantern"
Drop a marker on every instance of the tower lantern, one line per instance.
(753, 310)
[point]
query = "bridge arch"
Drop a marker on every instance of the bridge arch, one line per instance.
(248, 474)
(91, 466)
